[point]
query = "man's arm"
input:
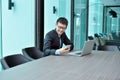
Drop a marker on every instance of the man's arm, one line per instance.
(47, 46)
(68, 42)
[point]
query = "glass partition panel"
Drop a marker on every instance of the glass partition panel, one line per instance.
(107, 21)
(79, 23)
(0, 34)
(112, 21)
(95, 22)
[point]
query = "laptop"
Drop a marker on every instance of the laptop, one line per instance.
(87, 49)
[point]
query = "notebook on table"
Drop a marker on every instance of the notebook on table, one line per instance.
(87, 49)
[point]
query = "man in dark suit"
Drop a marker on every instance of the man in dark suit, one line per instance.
(56, 38)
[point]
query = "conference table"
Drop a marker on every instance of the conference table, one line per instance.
(100, 65)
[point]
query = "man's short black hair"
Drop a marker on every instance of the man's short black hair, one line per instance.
(62, 20)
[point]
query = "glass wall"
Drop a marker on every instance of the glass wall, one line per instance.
(95, 19)
(112, 20)
(80, 20)
(0, 34)
(107, 20)
(88, 20)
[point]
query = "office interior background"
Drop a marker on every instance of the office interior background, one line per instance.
(86, 17)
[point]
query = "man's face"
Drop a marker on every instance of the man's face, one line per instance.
(60, 28)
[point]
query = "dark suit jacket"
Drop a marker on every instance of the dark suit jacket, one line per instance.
(51, 42)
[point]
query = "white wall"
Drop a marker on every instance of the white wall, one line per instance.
(17, 26)
(50, 18)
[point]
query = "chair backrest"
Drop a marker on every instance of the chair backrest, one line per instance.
(13, 60)
(32, 53)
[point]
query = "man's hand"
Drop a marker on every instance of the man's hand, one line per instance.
(64, 50)
(68, 46)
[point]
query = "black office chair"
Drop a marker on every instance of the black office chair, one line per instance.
(13, 60)
(32, 53)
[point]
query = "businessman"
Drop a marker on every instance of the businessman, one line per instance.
(55, 39)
